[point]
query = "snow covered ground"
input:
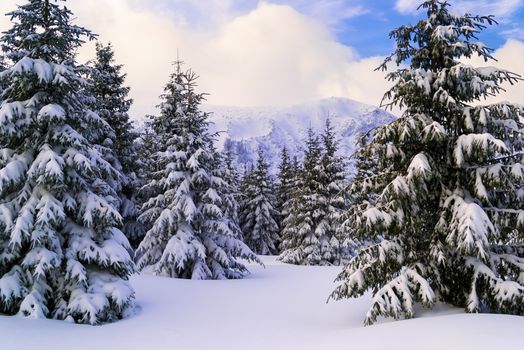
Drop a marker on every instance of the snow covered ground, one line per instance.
(279, 307)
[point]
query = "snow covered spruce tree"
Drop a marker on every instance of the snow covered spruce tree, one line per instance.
(62, 255)
(285, 185)
(307, 240)
(146, 145)
(449, 181)
(232, 176)
(191, 234)
(258, 216)
(358, 196)
(334, 201)
(112, 104)
(289, 236)
(229, 173)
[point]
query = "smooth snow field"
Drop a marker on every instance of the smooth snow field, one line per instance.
(279, 307)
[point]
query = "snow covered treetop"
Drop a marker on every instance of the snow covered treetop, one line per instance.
(52, 25)
(434, 48)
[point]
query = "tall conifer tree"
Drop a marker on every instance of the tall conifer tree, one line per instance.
(258, 214)
(285, 185)
(231, 176)
(307, 242)
(449, 178)
(289, 229)
(112, 104)
(333, 199)
(62, 255)
(191, 234)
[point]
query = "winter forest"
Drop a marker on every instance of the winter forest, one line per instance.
(166, 230)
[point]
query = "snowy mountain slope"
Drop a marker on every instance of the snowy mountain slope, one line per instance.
(275, 127)
(281, 307)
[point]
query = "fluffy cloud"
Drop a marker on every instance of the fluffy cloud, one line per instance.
(270, 55)
(508, 57)
(197, 13)
(332, 13)
(273, 55)
(514, 33)
(500, 8)
(407, 6)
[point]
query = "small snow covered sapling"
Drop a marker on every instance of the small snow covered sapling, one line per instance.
(445, 196)
(62, 255)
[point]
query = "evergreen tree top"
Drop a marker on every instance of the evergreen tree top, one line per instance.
(44, 29)
(433, 49)
(108, 81)
(229, 161)
(284, 155)
(180, 107)
(312, 145)
(441, 39)
(295, 164)
(262, 165)
(285, 167)
(105, 55)
(329, 139)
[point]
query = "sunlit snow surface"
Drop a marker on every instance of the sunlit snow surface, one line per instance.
(279, 307)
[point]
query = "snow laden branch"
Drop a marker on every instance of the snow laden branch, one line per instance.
(395, 298)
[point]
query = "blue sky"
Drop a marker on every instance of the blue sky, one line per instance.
(363, 25)
(368, 33)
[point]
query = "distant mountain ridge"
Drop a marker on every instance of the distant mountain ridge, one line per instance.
(244, 128)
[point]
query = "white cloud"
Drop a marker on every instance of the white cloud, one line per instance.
(500, 8)
(209, 14)
(514, 33)
(272, 55)
(197, 14)
(407, 6)
(332, 13)
(509, 57)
